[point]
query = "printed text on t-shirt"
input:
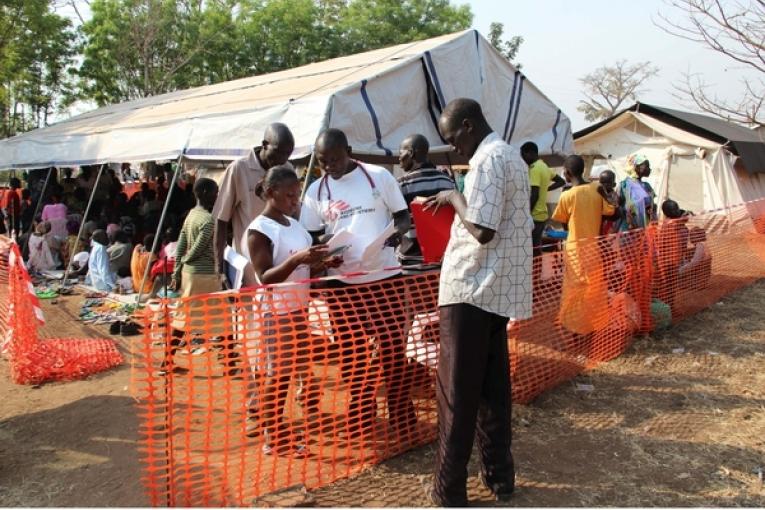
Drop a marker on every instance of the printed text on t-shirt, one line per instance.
(339, 209)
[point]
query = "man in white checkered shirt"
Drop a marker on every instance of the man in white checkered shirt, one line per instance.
(485, 281)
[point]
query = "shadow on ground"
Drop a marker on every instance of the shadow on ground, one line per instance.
(79, 454)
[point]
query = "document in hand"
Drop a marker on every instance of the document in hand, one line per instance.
(235, 264)
(433, 230)
(372, 252)
(340, 241)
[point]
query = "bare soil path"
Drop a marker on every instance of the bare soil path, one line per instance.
(678, 420)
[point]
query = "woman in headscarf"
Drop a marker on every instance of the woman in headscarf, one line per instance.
(637, 210)
(636, 197)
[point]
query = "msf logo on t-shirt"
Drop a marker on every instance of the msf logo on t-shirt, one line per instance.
(336, 208)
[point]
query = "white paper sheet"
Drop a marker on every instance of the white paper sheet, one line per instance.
(340, 239)
(371, 253)
(235, 267)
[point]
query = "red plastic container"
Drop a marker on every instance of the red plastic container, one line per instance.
(433, 230)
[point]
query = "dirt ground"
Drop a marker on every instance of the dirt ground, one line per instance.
(678, 420)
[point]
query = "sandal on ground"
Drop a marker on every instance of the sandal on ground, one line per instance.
(297, 451)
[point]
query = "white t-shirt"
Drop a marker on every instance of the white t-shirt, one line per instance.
(286, 241)
(362, 202)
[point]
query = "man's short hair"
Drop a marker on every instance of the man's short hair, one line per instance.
(204, 186)
(607, 173)
(530, 148)
(575, 165)
(419, 143)
(332, 138)
(463, 108)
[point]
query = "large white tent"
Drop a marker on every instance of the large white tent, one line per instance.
(701, 162)
(377, 98)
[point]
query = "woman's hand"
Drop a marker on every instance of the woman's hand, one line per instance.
(322, 265)
(333, 262)
(312, 255)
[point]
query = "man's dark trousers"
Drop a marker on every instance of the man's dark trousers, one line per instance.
(536, 236)
(473, 384)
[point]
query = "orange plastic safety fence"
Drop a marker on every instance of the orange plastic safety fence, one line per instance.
(5, 299)
(246, 395)
(33, 360)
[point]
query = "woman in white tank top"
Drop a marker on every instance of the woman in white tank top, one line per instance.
(282, 255)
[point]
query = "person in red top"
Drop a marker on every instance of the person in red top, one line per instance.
(11, 206)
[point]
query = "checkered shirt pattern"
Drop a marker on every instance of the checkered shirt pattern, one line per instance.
(495, 276)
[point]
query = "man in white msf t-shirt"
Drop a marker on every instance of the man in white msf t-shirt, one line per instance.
(363, 199)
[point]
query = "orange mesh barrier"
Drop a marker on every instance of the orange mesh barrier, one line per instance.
(33, 360)
(247, 397)
(5, 297)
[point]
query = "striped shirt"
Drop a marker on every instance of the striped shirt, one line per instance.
(195, 252)
(424, 182)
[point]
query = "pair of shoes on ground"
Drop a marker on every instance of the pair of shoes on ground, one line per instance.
(251, 429)
(310, 406)
(164, 369)
(296, 451)
(124, 328)
(284, 440)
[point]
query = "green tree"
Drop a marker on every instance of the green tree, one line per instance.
(509, 48)
(138, 48)
(280, 34)
(36, 47)
(370, 24)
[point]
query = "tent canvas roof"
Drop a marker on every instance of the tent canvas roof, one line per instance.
(377, 97)
(749, 144)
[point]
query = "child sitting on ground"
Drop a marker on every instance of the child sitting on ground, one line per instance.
(124, 284)
(99, 275)
(40, 256)
(55, 244)
(120, 251)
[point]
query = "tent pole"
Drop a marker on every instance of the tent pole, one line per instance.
(82, 223)
(37, 210)
(308, 174)
(161, 221)
(40, 199)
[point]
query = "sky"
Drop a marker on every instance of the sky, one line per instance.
(564, 40)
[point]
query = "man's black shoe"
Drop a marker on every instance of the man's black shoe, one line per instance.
(503, 492)
(435, 500)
